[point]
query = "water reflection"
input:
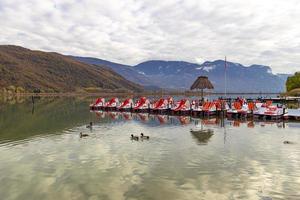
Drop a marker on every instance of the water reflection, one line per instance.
(45, 116)
(185, 120)
(202, 136)
(243, 159)
(40, 116)
(12, 99)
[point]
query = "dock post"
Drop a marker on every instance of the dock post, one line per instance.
(32, 99)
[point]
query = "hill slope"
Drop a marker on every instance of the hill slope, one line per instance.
(124, 70)
(53, 72)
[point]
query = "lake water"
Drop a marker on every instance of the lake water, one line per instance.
(43, 157)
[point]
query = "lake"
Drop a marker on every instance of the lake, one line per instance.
(43, 157)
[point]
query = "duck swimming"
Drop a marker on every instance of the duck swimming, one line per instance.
(90, 126)
(134, 137)
(144, 136)
(83, 134)
(288, 142)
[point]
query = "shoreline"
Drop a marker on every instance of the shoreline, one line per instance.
(108, 94)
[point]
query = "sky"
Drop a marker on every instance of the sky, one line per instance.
(263, 32)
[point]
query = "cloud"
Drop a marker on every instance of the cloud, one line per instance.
(130, 31)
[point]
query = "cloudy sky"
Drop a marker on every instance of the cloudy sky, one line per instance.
(130, 31)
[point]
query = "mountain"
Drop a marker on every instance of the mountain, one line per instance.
(53, 72)
(159, 67)
(124, 70)
(284, 77)
(179, 74)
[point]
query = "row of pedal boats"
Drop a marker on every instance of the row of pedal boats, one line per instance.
(237, 108)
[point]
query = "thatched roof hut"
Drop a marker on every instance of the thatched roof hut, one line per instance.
(202, 83)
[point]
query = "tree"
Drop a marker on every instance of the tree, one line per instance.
(293, 82)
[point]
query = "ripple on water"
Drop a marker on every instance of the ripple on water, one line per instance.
(247, 164)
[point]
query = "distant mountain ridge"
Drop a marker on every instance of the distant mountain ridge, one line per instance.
(124, 70)
(53, 72)
(181, 75)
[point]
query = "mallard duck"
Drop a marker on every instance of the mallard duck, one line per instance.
(90, 126)
(144, 136)
(83, 134)
(134, 137)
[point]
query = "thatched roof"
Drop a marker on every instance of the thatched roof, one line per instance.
(202, 82)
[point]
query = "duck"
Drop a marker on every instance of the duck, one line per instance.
(288, 142)
(83, 134)
(144, 136)
(90, 126)
(134, 137)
